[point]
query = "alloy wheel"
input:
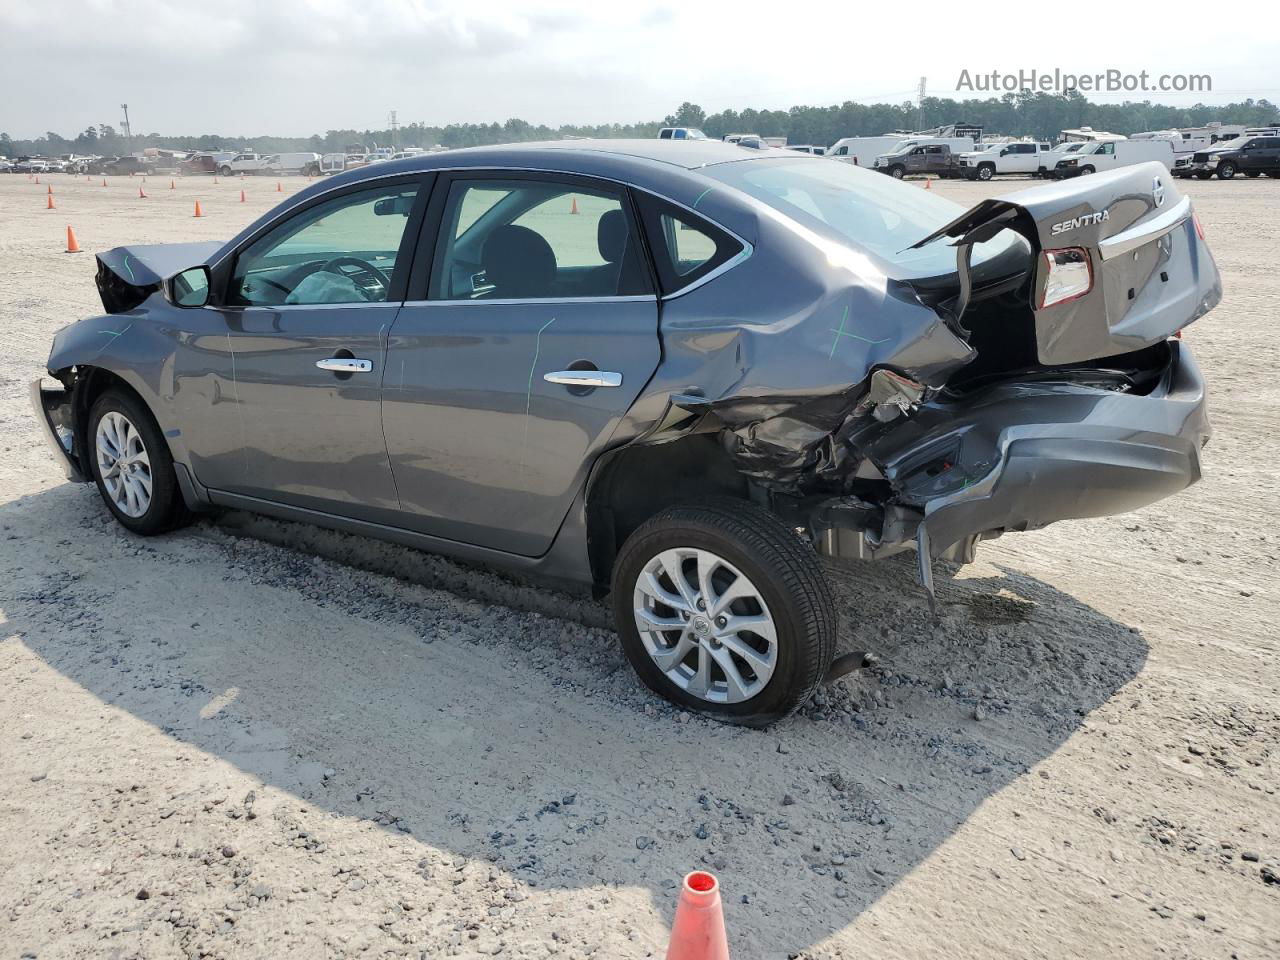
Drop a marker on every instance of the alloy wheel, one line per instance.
(123, 464)
(705, 625)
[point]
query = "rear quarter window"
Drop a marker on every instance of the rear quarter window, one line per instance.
(685, 246)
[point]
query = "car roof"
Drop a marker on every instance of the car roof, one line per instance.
(687, 154)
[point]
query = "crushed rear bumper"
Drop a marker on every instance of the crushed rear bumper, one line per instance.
(1019, 456)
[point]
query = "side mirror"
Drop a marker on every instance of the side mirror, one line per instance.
(190, 288)
(1004, 152)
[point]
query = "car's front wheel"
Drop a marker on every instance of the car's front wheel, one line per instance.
(1226, 170)
(986, 171)
(132, 466)
(724, 609)
(897, 172)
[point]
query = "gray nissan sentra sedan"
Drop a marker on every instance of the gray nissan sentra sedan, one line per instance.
(677, 371)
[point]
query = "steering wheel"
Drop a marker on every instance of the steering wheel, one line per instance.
(361, 267)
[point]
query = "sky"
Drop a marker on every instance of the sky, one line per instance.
(297, 67)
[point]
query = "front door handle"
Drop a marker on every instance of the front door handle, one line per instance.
(584, 378)
(345, 365)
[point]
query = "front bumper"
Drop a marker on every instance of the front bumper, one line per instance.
(53, 414)
(1023, 455)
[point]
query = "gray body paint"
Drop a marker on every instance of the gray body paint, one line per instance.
(837, 386)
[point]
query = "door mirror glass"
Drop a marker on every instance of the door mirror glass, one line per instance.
(190, 288)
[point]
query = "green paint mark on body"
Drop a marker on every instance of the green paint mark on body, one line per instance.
(841, 332)
(700, 196)
(528, 393)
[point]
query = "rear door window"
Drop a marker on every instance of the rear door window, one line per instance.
(536, 239)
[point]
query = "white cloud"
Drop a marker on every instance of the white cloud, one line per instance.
(295, 67)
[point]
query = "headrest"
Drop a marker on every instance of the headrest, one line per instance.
(518, 262)
(611, 235)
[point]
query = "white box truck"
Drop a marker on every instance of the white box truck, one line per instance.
(1111, 154)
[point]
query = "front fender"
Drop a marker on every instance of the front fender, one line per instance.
(134, 348)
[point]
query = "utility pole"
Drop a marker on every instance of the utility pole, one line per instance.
(920, 104)
(128, 134)
(395, 142)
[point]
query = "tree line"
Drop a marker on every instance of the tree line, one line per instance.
(1039, 115)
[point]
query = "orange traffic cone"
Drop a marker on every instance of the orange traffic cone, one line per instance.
(172, 186)
(199, 212)
(50, 199)
(50, 188)
(279, 189)
(242, 196)
(72, 246)
(141, 195)
(928, 184)
(698, 931)
(574, 208)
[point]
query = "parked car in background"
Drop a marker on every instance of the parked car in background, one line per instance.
(936, 158)
(1102, 155)
(6, 165)
(246, 163)
(807, 148)
(292, 163)
(115, 167)
(681, 133)
(1005, 158)
(584, 377)
(1251, 156)
(30, 165)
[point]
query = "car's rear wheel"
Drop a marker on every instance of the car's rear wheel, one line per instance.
(724, 609)
(1226, 170)
(132, 466)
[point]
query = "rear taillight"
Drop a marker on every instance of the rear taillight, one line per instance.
(1195, 218)
(1069, 276)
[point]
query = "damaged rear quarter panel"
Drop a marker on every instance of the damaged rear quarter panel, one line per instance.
(780, 365)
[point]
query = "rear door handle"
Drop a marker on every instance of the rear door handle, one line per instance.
(345, 365)
(584, 378)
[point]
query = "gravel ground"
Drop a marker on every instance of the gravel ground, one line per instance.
(257, 739)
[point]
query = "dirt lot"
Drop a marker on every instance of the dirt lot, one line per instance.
(253, 739)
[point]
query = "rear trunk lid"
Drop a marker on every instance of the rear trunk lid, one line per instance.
(1150, 271)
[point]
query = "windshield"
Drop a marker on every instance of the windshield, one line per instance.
(860, 208)
(1235, 144)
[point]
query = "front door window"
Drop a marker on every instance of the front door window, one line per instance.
(347, 250)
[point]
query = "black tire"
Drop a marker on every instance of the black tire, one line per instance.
(1203, 175)
(986, 171)
(1086, 170)
(224, 172)
(1274, 174)
(784, 570)
(167, 510)
(1226, 170)
(897, 172)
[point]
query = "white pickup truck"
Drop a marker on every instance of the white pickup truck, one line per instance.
(994, 158)
(243, 163)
